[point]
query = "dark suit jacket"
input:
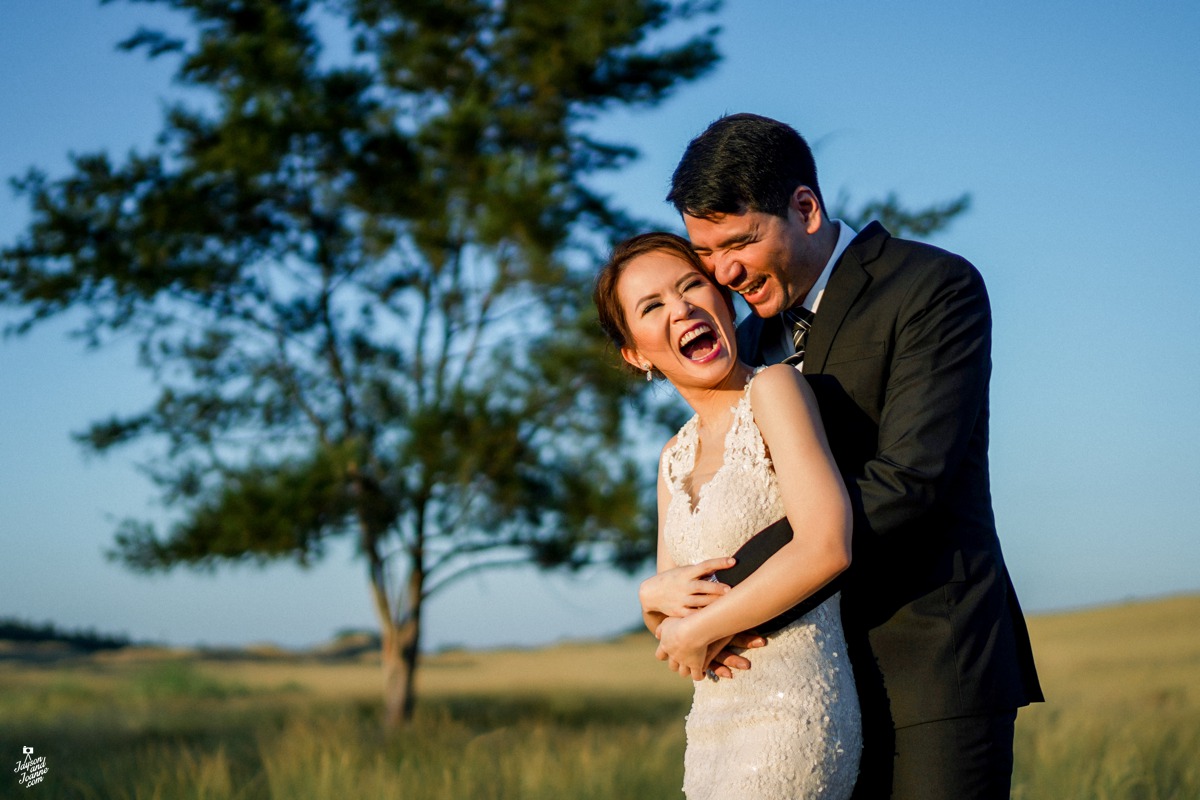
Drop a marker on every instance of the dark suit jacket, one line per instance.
(899, 357)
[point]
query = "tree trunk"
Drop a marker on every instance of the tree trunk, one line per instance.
(400, 649)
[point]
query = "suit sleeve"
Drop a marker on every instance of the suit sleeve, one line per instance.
(934, 408)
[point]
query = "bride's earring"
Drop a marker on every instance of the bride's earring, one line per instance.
(649, 372)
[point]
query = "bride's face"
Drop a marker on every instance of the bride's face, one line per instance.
(679, 320)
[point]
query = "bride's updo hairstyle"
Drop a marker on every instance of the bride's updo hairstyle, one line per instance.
(608, 303)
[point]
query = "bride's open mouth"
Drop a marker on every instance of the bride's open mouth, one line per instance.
(698, 342)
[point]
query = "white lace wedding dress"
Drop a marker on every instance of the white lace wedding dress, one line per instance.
(789, 727)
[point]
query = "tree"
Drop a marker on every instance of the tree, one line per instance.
(899, 220)
(357, 284)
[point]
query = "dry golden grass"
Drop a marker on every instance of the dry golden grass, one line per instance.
(621, 666)
(1122, 717)
(1133, 651)
(1094, 656)
(577, 720)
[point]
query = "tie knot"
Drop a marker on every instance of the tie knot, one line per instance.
(800, 319)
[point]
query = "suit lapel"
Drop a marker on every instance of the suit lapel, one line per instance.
(846, 284)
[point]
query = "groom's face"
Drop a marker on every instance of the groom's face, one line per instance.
(770, 261)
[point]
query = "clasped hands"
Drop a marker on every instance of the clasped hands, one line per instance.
(676, 595)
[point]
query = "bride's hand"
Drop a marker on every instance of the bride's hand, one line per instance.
(686, 654)
(680, 591)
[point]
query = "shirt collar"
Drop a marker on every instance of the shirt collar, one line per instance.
(846, 235)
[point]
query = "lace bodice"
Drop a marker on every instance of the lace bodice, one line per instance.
(789, 727)
(741, 499)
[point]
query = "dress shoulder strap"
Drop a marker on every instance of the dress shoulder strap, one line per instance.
(744, 441)
(680, 458)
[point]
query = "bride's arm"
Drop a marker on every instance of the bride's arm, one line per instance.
(817, 507)
(676, 591)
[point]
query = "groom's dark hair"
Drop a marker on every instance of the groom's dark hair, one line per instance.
(740, 163)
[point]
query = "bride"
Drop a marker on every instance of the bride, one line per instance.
(754, 452)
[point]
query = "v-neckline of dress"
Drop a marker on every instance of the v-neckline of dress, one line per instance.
(695, 495)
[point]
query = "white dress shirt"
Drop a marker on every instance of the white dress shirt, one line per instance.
(812, 300)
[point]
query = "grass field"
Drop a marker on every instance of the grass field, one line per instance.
(588, 721)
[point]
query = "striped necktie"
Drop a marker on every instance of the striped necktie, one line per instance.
(800, 319)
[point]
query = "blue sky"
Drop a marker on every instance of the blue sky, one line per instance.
(1072, 124)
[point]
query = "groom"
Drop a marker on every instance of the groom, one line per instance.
(895, 340)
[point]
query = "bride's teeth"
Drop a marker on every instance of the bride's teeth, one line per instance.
(693, 333)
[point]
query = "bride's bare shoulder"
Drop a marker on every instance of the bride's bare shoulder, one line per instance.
(777, 379)
(780, 390)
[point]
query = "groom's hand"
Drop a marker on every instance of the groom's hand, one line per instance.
(730, 657)
(726, 659)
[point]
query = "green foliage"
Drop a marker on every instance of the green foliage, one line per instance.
(360, 280)
(901, 221)
(257, 512)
